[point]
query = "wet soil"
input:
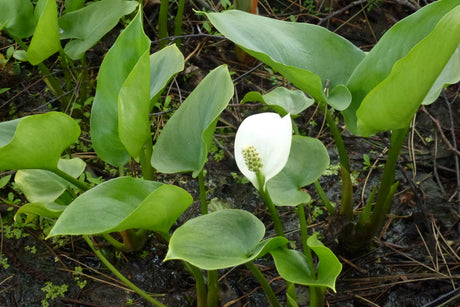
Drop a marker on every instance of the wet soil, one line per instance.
(413, 262)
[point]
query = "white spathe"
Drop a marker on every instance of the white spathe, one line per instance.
(271, 136)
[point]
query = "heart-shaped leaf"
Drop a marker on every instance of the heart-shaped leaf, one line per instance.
(43, 186)
(308, 159)
(45, 41)
(89, 24)
(282, 100)
(184, 142)
(17, 17)
(123, 203)
(37, 141)
(309, 56)
(395, 45)
(221, 239)
(292, 265)
(125, 60)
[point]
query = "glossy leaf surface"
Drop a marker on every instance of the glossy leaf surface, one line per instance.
(221, 239)
(184, 142)
(307, 55)
(307, 161)
(123, 203)
(164, 64)
(45, 41)
(89, 24)
(37, 141)
(44, 186)
(128, 52)
(17, 17)
(292, 265)
(282, 100)
(408, 79)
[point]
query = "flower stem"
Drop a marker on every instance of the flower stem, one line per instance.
(269, 203)
(265, 285)
(120, 276)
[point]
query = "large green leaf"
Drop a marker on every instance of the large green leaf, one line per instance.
(45, 41)
(17, 17)
(36, 141)
(184, 142)
(89, 24)
(221, 239)
(395, 45)
(128, 53)
(292, 265)
(308, 159)
(393, 103)
(282, 100)
(309, 56)
(134, 107)
(123, 203)
(164, 64)
(43, 186)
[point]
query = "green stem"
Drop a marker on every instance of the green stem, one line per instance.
(121, 171)
(114, 242)
(178, 21)
(213, 289)
(203, 198)
(120, 276)
(145, 157)
(79, 184)
(322, 195)
(83, 81)
(382, 203)
(269, 203)
(201, 293)
(343, 156)
(317, 296)
(304, 235)
(163, 23)
(346, 205)
(265, 285)
(65, 68)
(132, 240)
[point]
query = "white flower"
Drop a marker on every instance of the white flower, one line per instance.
(263, 141)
